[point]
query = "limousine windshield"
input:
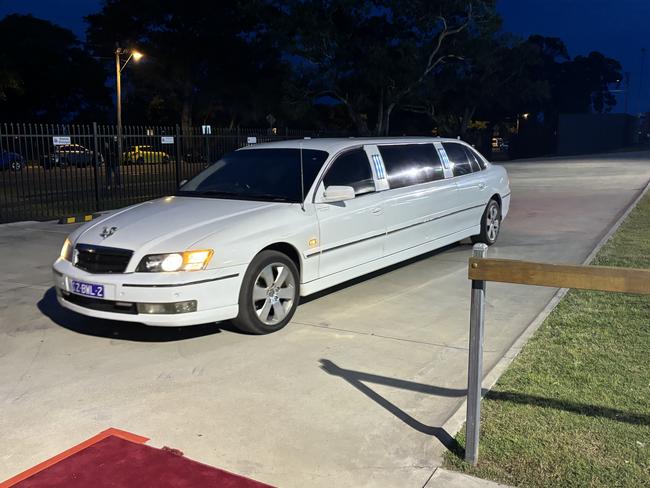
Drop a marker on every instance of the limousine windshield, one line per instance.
(258, 174)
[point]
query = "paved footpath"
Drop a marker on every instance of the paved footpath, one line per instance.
(352, 393)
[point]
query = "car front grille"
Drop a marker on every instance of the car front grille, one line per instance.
(99, 259)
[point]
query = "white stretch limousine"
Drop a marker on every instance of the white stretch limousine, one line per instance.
(269, 223)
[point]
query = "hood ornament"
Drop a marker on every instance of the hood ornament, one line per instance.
(107, 232)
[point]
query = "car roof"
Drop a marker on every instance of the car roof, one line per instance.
(333, 145)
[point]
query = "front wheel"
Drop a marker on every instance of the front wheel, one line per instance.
(269, 293)
(490, 224)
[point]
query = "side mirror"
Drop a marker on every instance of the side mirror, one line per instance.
(180, 185)
(338, 194)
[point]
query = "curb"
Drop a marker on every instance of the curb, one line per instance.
(456, 420)
(75, 219)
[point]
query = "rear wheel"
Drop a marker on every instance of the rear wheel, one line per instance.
(269, 293)
(490, 224)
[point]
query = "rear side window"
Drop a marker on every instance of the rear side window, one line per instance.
(351, 169)
(410, 164)
(458, 157)
(475, 160)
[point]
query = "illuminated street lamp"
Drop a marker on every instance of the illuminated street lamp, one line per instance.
(522, 116)
(137, 56)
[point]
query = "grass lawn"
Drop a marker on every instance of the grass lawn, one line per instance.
(573, 409)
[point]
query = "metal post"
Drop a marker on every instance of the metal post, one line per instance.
(178, 156)
(96, 165)
(475, 363)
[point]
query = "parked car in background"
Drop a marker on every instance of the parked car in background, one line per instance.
(11, 160)
(70, 155)
(267, 224)
(144, 154)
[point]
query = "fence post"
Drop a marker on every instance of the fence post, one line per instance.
(475, 363)
(96, 165)
(178, 156)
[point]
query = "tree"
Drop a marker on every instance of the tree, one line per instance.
(372, 55)
(46, 74)
(208, 61)
(579, 85)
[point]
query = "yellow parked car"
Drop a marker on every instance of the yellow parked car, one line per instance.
(144, 154)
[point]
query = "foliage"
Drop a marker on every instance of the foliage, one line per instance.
(46, 75)
(373, 55)
(367, 66)
(204, 60)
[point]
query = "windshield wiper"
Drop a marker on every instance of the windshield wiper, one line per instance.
(242, 196)
(208, 193)
(269, 196)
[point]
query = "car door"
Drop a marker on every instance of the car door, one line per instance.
(470, 181)
(351, 232)
(419, 198)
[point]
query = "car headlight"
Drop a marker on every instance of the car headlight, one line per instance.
(66, 250)
(177, 261)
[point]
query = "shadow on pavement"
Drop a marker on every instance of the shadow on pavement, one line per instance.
(128, 331)
(356, 379)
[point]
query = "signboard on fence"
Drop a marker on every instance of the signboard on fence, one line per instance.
(251, 140)
(60, 140)
(167, 140)
(206, 130)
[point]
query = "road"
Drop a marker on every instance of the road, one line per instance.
(352, 393)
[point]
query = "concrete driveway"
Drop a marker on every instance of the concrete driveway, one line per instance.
(352, 393)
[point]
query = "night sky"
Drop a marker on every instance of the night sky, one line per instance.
(618, 29)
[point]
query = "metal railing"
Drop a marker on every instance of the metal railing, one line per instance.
(483, 269)
(48, 171)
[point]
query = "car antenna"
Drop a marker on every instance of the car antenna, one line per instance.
(302, 182)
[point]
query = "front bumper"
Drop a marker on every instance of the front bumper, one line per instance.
(216, 292)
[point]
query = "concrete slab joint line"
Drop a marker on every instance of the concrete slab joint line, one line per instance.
(441, 478)
(457, 419)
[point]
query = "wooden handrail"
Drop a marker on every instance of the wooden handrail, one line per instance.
(600, 278)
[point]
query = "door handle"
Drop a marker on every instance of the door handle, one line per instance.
(482, 186)
(377, 211)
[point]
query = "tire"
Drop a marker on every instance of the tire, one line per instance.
(16, 165)
(266, 301)
(140, 160)
(63, 163)
(490, 224)
(165, 159)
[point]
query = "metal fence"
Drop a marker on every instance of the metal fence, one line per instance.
(49, 170)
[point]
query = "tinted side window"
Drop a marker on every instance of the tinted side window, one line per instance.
(476, 161)
(410, 164)
(351, 169)
(458, 157)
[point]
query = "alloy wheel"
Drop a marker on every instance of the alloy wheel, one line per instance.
(492, 223)
(274, 293)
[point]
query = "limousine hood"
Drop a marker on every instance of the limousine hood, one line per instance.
(169, 224)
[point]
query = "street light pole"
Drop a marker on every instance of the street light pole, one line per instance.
(118, 83)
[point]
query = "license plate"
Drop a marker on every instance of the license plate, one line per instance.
(87, 289)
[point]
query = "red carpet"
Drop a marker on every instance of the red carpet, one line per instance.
(117, 462)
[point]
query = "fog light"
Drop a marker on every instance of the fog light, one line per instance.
(167, 308)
